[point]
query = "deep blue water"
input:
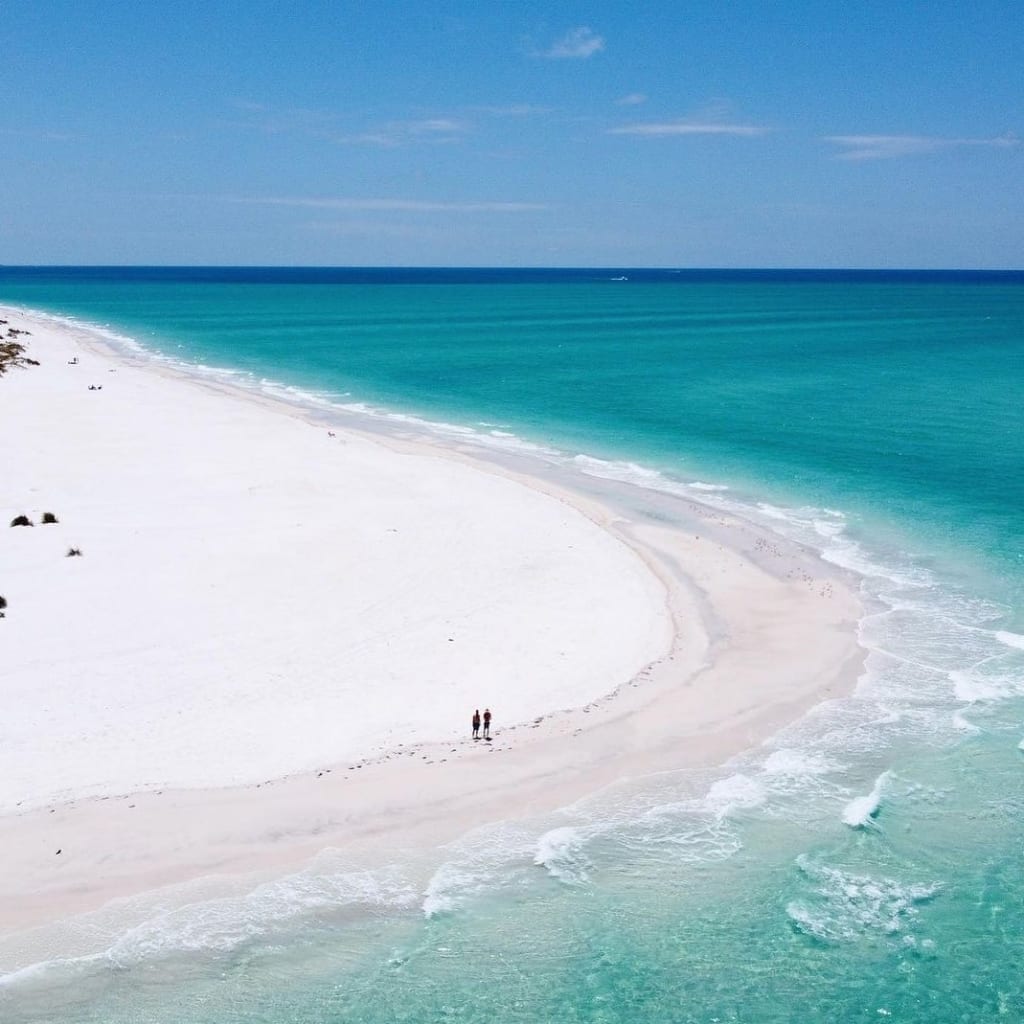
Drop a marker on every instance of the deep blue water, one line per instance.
(874, 415)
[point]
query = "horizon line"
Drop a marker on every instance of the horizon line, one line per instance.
(669, 268)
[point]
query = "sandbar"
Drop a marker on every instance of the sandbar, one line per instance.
(279, 626)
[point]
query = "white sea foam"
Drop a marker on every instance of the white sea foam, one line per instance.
(686, 829)
(444, 889)
(484, 859)
(794, 776)
(561, 852)
(649, 479)
(460, 879)
(962, 724)
(226, 923)
(774, 512)
(120, 341)
(297, 396)
(735, 793)
(828, 530)
(1010, 639)
(986, 682)
(497, 440)
(34, 973)
(789, 761)
(627, 472)
(862, 810)
(889, 715)
(846, 905)
(850, 554)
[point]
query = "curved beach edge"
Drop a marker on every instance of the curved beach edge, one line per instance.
(610, 643)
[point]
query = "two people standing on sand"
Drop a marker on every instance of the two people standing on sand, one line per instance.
(487, 724)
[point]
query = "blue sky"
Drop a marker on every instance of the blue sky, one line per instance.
(444, 132)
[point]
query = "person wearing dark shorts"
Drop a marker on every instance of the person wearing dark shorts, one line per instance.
(476, 724)
(487, 723)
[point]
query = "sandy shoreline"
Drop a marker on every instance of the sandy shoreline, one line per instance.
(610, 648)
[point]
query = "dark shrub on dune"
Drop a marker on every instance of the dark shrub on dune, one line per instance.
(73, 552)
(21, 521)
(3, 602)
(12, 353)
(49, 517)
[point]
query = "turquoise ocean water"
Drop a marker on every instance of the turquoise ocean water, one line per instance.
(865, 864)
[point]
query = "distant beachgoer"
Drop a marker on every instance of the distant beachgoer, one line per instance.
(487, 723)
(476, 724)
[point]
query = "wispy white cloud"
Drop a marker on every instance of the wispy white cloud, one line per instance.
(514, 110)
(38, 133)
(660, 128)
(435, 126)
(398, 133)
(634, 99)
(343, 128)
(887, 147)
(390, 205)
(401, 133)
(577, 44)
(330, 126)
(366, 139)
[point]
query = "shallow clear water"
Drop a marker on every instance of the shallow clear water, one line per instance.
(868, 863)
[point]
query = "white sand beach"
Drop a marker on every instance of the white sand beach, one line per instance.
(277, 630)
